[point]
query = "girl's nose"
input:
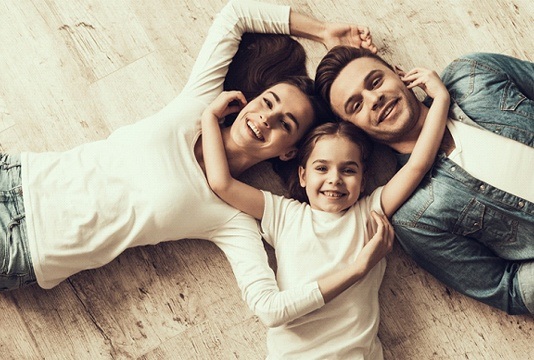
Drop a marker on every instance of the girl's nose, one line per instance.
(335, 179)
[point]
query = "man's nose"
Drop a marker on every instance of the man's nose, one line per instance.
(374, 98)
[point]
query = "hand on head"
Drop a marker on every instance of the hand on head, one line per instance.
(228, 102)
(428, 80)
(347, 34)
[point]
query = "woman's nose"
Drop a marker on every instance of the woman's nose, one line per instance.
(264, 120)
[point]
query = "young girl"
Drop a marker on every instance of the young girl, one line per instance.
(329, 237)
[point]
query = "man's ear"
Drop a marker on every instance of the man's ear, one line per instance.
(288, 155)
(399, 71)
(302, 176)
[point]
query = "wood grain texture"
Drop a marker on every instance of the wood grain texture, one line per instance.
(73, 71)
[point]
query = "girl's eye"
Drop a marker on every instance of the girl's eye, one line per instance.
(321, 168)
(349, 171)
(268, 103)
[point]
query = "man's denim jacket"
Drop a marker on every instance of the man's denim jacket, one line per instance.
(473, 237)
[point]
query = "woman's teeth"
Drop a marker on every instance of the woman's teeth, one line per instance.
(255, 130)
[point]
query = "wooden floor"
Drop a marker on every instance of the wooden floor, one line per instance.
(72, 71)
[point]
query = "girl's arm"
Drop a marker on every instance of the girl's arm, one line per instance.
(251, 201)
(406, 180)
(234, 192)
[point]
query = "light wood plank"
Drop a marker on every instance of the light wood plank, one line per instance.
(73, 71)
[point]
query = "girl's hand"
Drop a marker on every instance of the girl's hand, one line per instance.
(228, 102)
(427, 80)
(347, 34)
(380, 244)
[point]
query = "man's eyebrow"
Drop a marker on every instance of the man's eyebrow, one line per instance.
(289, 115)
(353, 97)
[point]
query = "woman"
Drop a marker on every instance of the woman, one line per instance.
(79, 209)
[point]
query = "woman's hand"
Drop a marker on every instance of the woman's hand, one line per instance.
(228, 102)
(347, 34)
(379, 245)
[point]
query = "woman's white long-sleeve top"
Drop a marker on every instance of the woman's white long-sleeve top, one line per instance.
(142, 185)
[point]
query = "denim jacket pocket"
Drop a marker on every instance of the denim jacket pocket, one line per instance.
(515, 101)
(488, 225)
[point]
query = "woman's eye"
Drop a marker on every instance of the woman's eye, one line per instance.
(285, 125)
(268, 103)
(357, 106)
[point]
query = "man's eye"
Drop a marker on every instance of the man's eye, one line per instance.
(356, 107)
(376, 82)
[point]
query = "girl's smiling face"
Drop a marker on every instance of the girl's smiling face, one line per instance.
(333, 175)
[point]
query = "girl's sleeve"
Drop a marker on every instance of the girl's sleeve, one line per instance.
(237, 17)
(240, 240)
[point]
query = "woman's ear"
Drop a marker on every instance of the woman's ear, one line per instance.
(302, 176)
(288, 155)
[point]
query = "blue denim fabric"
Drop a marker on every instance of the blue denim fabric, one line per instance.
(473, 237)
(16, 269)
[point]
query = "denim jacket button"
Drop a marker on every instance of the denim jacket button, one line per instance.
(521, 204)
(482, 187)
(453, 168)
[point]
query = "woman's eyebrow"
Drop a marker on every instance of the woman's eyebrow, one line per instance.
(288, 114)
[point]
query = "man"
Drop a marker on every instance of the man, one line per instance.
(471, 220)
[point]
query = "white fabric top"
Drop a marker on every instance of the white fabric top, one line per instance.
(493, 159)
(311, 244)
(142, 185)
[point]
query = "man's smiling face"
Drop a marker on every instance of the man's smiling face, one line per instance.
(373, 97)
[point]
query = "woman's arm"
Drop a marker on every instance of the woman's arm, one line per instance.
(239, 16)
(405, 181)
(236, 193)
(374, 251)
(331, 34)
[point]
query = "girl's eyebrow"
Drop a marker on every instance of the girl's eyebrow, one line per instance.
(350, 162)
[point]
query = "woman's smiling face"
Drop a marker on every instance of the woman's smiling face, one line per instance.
(271, 124)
